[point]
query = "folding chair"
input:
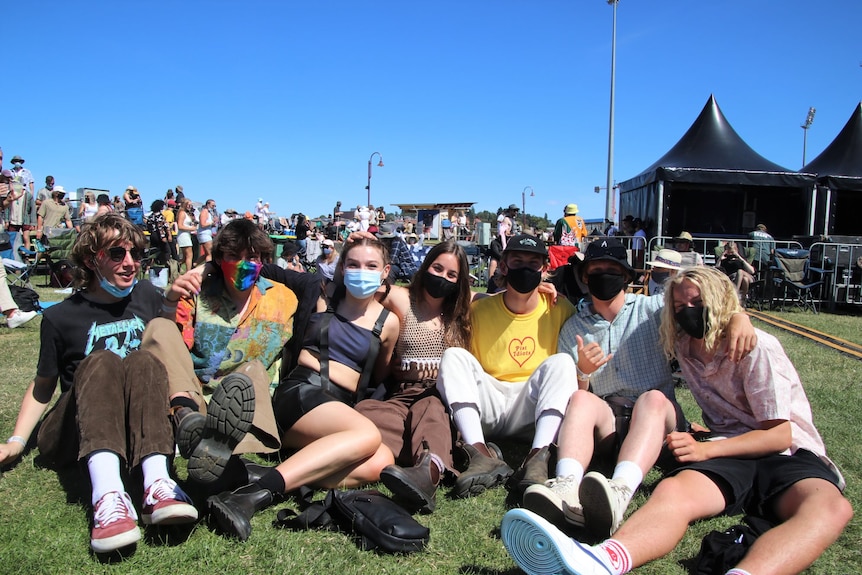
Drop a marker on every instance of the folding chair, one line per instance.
(791, 279)
(32, 259)
(17, 273)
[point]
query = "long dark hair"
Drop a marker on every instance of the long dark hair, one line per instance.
(456, 307)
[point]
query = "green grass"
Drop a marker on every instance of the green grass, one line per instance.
(44, 525)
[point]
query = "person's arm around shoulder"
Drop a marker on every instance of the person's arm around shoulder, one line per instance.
(774, 437)
(741, 337)
(35, 402)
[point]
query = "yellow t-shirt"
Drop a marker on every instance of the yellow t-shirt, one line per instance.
(511, 346)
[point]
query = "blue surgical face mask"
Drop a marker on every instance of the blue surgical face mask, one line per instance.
(118, 293)
(327, 251)
(362, 284)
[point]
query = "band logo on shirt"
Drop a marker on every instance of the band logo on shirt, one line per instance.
(121, 337)
(521, 350)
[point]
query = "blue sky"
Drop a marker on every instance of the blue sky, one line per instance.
(468, 100)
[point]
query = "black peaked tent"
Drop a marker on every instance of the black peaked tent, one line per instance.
(712, 182)
(839, 179)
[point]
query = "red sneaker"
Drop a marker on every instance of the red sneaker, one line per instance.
(166, 504)
(115, 523)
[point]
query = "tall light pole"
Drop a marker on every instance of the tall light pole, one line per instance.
(609, 203)
(808, 121)
(379, 165)
(524, 206)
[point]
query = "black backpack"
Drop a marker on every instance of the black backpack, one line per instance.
(25, 298)
(376, 522)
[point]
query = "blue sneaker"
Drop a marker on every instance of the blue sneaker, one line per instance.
(539, 548)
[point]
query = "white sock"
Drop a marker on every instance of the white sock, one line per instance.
(629, 473)
(737, 571)
(104, 468)
(466, 417)
(547, 427)
(568, 466)
(154, 467)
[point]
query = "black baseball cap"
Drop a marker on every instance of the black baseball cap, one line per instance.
(609, 249)
(526, 243)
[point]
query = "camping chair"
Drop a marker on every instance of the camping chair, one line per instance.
(791, 280)
(17, 273)
(32, 259)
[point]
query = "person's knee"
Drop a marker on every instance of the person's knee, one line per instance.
(582, 399)
(652, 402)
(101, 365)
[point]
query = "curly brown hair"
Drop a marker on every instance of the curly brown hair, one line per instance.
(105, 231)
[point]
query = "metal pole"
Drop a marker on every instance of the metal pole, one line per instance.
(609, 205)
(368, 187)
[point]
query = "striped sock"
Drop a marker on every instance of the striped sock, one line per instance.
(618, 556)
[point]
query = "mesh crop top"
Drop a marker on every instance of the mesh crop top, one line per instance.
(349, 344)
(418, 350)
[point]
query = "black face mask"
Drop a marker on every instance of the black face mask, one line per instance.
(438, 286)
(523, 280)
(659, 277)
(691, 320)
(604, 286)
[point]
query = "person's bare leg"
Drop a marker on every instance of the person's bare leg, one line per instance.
(653, 417)
(659, 525)
(815, 514)
(334, 442)
(588, 421)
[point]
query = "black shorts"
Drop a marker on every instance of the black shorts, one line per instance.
(751, 485)
(302, 392)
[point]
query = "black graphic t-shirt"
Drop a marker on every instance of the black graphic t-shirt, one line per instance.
(76, 327)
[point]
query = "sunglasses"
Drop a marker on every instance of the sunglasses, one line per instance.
(118, 254)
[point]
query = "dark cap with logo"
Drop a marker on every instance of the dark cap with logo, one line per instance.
(608, 249)
(526, 243)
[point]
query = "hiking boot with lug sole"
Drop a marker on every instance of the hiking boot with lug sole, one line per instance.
(229, 416)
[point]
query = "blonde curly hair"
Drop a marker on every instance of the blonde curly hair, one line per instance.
(720, 302)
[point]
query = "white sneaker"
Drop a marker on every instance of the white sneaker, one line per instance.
(605, 502)
(557, 501)
(19, 318)
(539, 548)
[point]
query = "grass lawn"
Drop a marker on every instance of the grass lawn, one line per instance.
(44, 526)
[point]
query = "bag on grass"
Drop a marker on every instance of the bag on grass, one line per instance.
(721, 551)
(377, 522)
(25, 298)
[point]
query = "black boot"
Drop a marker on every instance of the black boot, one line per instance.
(188, 428)
(414, 487)
(233, 510)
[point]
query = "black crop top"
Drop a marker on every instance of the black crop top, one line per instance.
(349, 344)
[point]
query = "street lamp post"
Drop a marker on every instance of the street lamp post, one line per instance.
(610, 184)
(808, 121)
(524, 207)
(379, 165)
